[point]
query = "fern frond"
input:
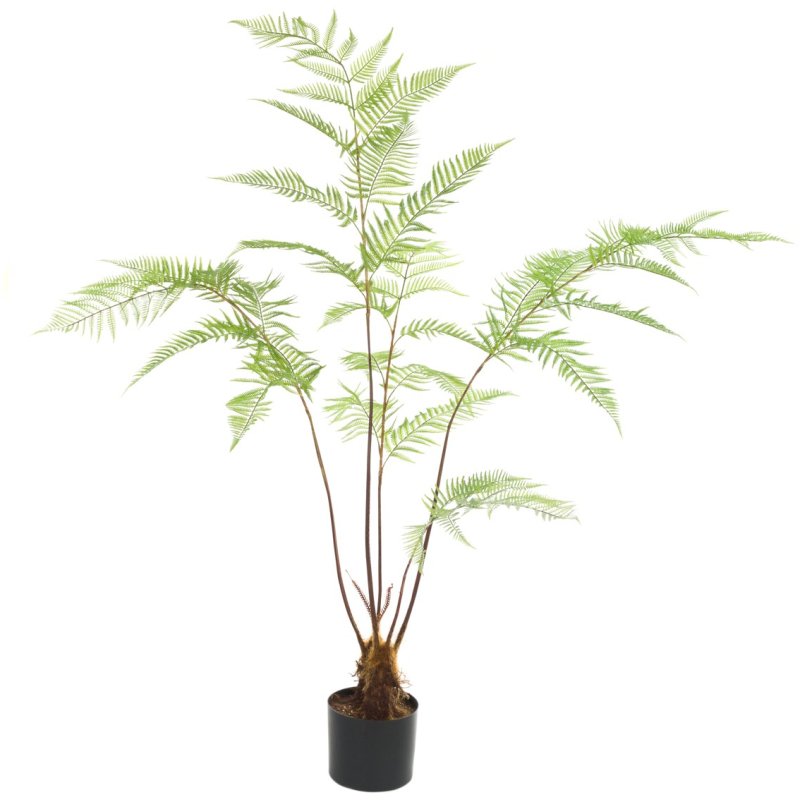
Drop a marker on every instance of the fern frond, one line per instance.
(486, 491)
(339, 311)
(330, 32)
(351, 412)
(328, 263)
(413, 541)
(337, 135)
(358, 361)
(417, 377)
(406, 439)
(366, 65)
(385, 165)
(428, 283)
(247, 409)
(147, 290)
(378, 86)
(573, 299)
(98, 307)
(403, 96)
(633, 261)
(325, 92)
(491, 490)
(295, 33)
(321, 65)
(398, 230)
(565, 355)
(211, 329)
(289, 183)
(429, 328)
(347, 47)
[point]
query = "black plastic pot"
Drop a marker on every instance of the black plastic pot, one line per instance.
(370, 755)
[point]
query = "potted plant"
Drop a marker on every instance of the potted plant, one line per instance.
(365, 109)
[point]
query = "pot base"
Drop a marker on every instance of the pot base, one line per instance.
(367, 754)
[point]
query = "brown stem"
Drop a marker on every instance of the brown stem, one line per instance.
(383, 429)
(239, 310)
(324, 474)
(371, 413)
(399, 601)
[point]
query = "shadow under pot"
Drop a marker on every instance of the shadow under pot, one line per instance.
(370, 755)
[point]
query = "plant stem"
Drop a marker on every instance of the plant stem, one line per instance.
(399, 601)
(383, 429)
(250, 321)
(332, 518)
(373, 611)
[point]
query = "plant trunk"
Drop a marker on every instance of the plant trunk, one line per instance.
(379, 693)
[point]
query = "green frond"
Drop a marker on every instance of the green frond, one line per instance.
(350, 412)
(428, 283)
(398, 231)
(329, 36)
(565, 355)
(378, 86)
(327, 262)
(97, 308)
(347, 47)
(366, 65)
(490, 490)
(284, 364)
(339, 311)
(292, 32)
(417, 377)
(524, 296)
(403, 96)
(429, 328)
(385, 165)
(487, 491)
(289, 183)
(211, 329)
(325, 92)
(574, 299)
(413, 541)
(271, 31)
(407, 438)
(321, 65)
(337, 135)
(432, 259)
(633, 261)
(247, 409)
(195, 274)
(358, 361)
(143, 293)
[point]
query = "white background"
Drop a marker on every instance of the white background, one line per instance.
(170, 625)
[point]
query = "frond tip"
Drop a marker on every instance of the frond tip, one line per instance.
(489, 491)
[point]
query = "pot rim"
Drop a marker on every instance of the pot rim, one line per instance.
(351, 689)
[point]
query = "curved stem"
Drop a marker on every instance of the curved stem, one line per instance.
(324, 474)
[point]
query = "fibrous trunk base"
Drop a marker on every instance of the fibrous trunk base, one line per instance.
(379, 693)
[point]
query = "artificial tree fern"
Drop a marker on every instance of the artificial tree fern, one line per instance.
(395, 258)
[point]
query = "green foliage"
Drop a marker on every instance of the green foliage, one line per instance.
(488, 491)
(408, 438)
(288, 183)
(396, 261)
